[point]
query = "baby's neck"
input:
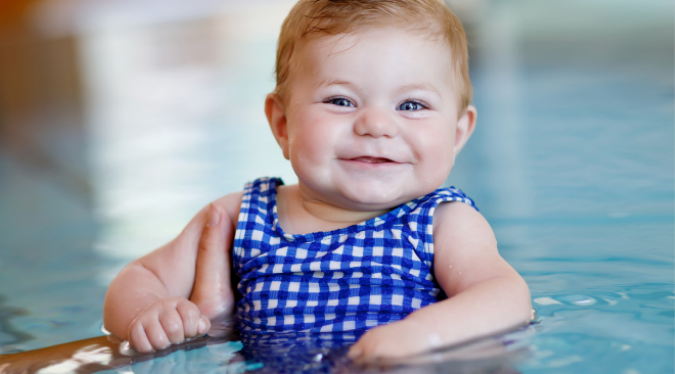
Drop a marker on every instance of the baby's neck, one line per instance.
(302, 214)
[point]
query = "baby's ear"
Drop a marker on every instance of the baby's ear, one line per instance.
(276, 116)
(465, 126)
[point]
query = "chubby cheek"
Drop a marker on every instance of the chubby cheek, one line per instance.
(306, 150)
(437, 156)
(309, 144)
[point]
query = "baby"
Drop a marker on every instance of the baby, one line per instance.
(371, 107)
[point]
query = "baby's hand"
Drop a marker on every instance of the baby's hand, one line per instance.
(166, 321)
(396, 340)
(171, 320)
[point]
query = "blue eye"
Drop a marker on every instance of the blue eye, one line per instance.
(339, 101)
(411, 106)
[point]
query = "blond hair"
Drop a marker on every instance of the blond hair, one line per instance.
(311, 19)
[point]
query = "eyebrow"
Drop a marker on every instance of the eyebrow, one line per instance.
(421, 87)
(339, 82)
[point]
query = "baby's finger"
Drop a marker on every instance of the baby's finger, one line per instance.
(172, 324)
(138, 339)
(204, 325)
(189, 314)
(156, 335)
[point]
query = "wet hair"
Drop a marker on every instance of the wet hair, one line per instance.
(312, 19)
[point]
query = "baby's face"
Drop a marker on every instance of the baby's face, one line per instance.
(372, 118)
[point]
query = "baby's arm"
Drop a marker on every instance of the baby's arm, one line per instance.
(171, 293)
(485, 294)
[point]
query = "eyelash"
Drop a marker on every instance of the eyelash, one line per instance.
(420, 103)
(332, 100)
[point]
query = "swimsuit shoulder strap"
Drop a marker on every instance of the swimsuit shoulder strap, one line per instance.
(255, 221)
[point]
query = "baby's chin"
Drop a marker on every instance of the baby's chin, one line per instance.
(367, 192)
(377, 197)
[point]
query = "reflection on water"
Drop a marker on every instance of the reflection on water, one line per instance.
(326, 353)
(10, 336)
(278, 353)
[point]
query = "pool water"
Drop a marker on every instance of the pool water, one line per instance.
(572, 163)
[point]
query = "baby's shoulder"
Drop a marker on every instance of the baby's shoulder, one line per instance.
(457, 224)
(456, 213)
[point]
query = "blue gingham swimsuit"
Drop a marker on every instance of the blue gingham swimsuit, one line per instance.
(346, 280)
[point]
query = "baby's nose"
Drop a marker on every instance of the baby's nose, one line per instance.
(375, 122)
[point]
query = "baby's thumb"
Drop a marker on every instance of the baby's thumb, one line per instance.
(212, 291)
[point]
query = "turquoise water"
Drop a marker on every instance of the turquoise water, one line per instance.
(572, 163)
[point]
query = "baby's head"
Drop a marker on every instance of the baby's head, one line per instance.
(312, 20)
(372, 99)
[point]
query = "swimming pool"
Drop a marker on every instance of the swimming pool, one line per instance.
(572, 163)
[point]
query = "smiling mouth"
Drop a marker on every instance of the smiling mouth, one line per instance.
(372, 160)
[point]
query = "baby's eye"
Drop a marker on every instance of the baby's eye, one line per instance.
(411, 106)
(339, 101)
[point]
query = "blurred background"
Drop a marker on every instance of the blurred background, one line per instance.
(121, 119)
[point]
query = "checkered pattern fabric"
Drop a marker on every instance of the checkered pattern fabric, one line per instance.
(350, 279)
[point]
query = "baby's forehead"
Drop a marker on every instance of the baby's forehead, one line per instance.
(338, 43)
(426, 35)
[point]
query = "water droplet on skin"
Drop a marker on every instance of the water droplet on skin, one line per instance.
(449, 266)
(435, 340)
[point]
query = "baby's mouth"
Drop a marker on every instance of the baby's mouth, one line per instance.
(371, 160)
